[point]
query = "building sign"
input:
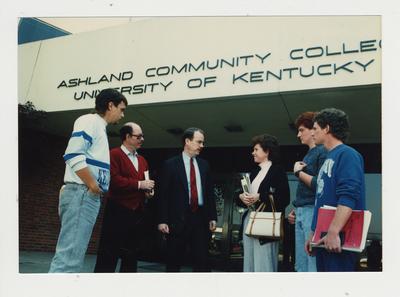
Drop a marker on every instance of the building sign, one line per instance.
(253, 65)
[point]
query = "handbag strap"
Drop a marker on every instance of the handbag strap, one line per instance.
(260, 208)
(271, 200)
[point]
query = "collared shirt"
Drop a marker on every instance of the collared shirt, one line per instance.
(131, 156)
(255, 184)
(134, 159)
(88, 147)
(186, 161)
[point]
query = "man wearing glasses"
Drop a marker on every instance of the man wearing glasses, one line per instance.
(123, 214)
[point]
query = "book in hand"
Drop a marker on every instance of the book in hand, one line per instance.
(245, 181)
(353, 235)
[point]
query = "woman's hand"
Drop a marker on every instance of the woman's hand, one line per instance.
(249, 199)
(245, 199)
(254, 198)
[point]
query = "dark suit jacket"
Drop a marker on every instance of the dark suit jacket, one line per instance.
(276, 179)
(173, 194)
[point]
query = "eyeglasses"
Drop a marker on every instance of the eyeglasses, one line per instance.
(138, 136)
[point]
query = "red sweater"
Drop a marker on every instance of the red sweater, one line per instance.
(124, 180)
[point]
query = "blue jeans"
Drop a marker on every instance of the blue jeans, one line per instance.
(304, 217)
(78, 210)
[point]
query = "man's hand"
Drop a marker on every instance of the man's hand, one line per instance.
(147, 184)
(212, 225)
(85, 175)
(292, 217)
(299, 165)
(163, 228)
(149, 194)
(95, 189)
(307, 245)
(331, 241)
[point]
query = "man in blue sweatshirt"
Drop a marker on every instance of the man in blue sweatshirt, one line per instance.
(341, 184)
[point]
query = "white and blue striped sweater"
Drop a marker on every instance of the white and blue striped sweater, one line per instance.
(88, 147)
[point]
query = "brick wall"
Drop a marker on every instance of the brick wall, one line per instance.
(41, 171)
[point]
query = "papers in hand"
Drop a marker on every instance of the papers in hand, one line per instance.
(353, 235)
(245, 181)
(147, 177)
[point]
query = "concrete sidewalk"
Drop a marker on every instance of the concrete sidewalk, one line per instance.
(39, 262)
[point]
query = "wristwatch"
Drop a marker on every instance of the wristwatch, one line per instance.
(296, 174)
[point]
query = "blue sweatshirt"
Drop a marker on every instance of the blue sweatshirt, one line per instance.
(340, 180)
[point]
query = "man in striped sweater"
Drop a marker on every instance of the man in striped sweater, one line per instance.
(87, 176)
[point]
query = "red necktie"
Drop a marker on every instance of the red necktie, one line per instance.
(194, 201)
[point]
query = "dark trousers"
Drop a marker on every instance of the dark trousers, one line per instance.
(120, 235)
(335, 262)
(195, 236)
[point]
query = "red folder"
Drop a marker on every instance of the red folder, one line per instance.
(353, 235)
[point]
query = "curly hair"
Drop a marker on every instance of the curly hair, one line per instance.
(337, 120)
(269, 144)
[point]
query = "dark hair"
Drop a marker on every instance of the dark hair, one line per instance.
(106, 96)
(337, 120)
(126, 129)
(305, 119)
(189, 133)
(269, 144)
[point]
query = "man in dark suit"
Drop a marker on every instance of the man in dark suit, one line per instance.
(124, 211)
(187, 212)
